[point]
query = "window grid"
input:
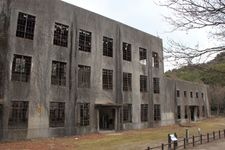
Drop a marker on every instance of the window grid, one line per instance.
(127, 81)
(25, 26)
(107, 46)
(144, 112)
(196, 94)
(58, 73)
(107, 79)
(143, 83)
(21, 67)
(185, 93)
(178, 112)
(191, 94)
(61, 35)
(178, 93)
(127, 52)
(57, 114)
(18, 117)
(143, 56)
(127, 113)
(156, 85)
(84, 76)
(85, 41)
(84, 114)
(155, 60)
(157, 112)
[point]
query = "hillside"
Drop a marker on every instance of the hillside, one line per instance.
(212, 73)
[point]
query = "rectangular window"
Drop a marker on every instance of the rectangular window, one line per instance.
(144, 112)
(21, 67)
(202, 95)
(58, 73)
(155, 60)
(84, 76)
(127, 113)
(185, 93)
(196, 94)
(61, 35)
(25, 26)
(186, 112)
(191, 94)
(203, 111)
(157, 112)
(85, 41)
(143, 83)
(178, 93)
(107, 79)
(1, 81)
(57, 114)
(84, 114)
(178, 112)
(107, 47)
(198, 112)
(127, 81)
(143, 56)
(127, 52)
(156, 85)
(18, 117)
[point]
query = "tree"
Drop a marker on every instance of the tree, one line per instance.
(196, 14)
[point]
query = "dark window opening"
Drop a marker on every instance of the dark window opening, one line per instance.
(157, 112)
(196, 94)
(127, 81)
(61, 35)
(143, 83)
(178, 112)
(202, 95)
(144, 112)
(1, 81)
(107, 79)
(156, 85)
(21, 68)
(25, 26)
(186, 112)
(107, 47)
(185, 93)
(18, 117)
(85, 41)
(178, 93)
(143, 56)
(127, 113)
(84, 114)
(203, 111)
(127, 52)
(84, 76)
(155, 60)
(58, 73)
(191, 94)
(57, 114)
(198, 112)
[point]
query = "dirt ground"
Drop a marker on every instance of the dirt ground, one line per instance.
(217, 145)
(127, 140)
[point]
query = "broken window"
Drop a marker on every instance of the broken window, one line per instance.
(18, 117)
(107, 79)
(21, 67)
(84, 114)
(84, 76)
(178, 93)
(196, 94)
(143, 56)
(58, 73)
(191, 94)
(107, 46)
(57, 114)
(178, 112)
(127, 113)
(157, 112)
(156, 85)
(143, 83)
(84, 41)
(127, 52)
(61, 35)
(185, 93)
(155, 60)
(25, 26)
(144, 112)
(127, 81)
(186, 112)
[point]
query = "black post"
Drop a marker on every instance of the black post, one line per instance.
(193, 139)
(175, 142)
(214, 135)
(169, 142)
(162, 146)
(219, 134)
(201, 138)
(148, 148)
(184, 143)
(187, 135)
(208, 137)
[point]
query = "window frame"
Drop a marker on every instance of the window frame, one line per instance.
(143, 83)
(155, 60)
(143, 55)
(84, 76)
(59, 73)
(157, 112)
(144, 112)
(85, 40)
(107, 46)
(61, 34)
(156, 85)
(58, 114)
(127, 51)
(127, 113)
(84, 112)
(127, 81)
(107, 79)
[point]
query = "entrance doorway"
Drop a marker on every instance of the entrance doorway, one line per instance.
(107, 119)
(192, 110)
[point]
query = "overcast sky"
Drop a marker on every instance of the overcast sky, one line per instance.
(144, 15)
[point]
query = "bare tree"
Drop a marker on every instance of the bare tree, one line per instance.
(196, 14)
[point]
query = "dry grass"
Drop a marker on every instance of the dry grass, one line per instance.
(130, 140)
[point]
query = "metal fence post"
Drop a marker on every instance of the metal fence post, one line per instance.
(219, 134)
(208, 137)
(184, 143)
(193, 139)
(148, 148)
(201, 139)
(162, 146)
(169, 142)
(214, 135)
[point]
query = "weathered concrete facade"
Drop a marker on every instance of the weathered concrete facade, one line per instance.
(39, 92)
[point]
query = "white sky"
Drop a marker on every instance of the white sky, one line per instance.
(144, 15)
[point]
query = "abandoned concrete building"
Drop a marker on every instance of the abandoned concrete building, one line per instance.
(66, 71)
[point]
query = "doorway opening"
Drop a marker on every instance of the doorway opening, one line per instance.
(107, 119)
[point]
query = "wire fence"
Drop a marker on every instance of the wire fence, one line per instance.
(192, 141)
